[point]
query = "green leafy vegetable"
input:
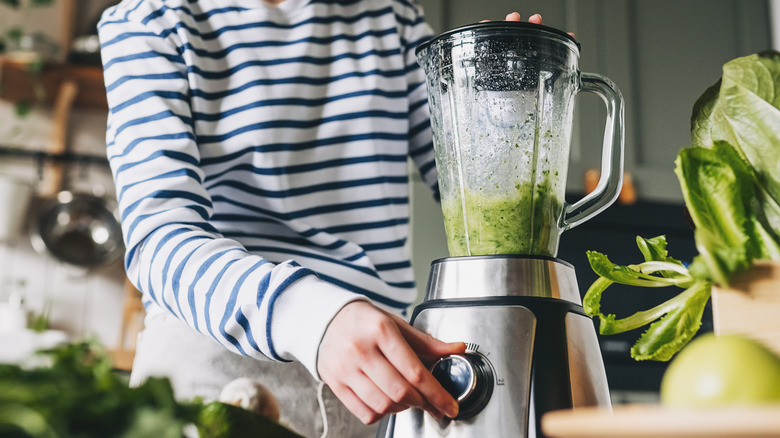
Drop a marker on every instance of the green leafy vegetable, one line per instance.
(221, 420)
(680, 317)
(730, 181)
(76, 394)
(11, 3)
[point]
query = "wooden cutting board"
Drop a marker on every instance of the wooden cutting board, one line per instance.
(646, 421)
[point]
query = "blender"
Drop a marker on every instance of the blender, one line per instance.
(501, 96)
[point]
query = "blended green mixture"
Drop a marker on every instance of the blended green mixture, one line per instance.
(523, 222)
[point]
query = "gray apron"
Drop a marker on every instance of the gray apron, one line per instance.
(198, 366)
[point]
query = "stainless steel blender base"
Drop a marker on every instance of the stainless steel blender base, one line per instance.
(534, 349)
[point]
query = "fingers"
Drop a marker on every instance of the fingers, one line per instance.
(360, 409)
(391, 383)
(402, 352)
(365, 359)
(369, 387)
(514, 16)
(426, 346)
(535, 18)
(379, 392)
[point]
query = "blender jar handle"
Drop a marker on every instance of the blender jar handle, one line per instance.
(611, 179)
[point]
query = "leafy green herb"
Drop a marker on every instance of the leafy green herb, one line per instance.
(678, 319)
(40, 321)
(74, 393)
(221, 420)
(78, 395)
(730, 181)
(11, 3)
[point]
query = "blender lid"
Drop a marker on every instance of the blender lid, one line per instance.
(509, 26)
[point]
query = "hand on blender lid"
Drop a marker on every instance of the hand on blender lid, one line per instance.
(515, 16)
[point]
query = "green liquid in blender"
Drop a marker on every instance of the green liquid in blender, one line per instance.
(524, 221)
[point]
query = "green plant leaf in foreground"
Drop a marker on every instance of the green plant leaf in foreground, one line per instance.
(654, 249)
(665, 337)
(719, 190)
(76, 394)
(747, 114)
(701, 117)
(715, 187)
(676, 320)
(730, 181)
(11, 3)
(221, 420)
(739, 118)
(651, 273)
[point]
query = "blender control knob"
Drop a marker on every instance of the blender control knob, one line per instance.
(468, 378)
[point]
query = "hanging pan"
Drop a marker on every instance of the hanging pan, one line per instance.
(78, 228)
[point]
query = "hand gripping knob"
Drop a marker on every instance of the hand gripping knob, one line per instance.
(468, 378)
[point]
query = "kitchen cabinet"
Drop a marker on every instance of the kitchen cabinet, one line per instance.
(21, 82)
(662, 54)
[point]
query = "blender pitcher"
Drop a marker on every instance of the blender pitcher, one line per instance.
(501, 97)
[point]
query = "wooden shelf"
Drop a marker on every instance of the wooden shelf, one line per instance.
(652, 421)
(18, 83)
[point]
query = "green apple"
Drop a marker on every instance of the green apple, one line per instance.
(717, 371)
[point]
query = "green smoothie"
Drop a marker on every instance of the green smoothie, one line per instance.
(522, 222)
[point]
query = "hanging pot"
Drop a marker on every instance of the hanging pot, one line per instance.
(77, 228)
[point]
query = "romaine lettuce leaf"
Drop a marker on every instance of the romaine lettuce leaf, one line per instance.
(743, 109)
(674, 330)
(715, 185)
(730, 180)
(701, 121)
(677, 319)
(720, 190)
(747, 114)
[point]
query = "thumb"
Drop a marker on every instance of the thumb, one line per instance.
(426, 346)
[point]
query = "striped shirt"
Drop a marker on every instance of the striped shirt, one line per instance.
(260, 160)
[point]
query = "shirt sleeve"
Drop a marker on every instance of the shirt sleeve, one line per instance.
(174, 256)
(414, 31)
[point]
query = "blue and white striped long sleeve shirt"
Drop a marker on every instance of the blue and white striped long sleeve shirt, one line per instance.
(260, 160)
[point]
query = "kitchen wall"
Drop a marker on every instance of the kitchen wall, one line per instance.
(774, 11)
(83, 303)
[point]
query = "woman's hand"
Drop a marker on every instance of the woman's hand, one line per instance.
(514, 16)
(535, 18)
(373, 362)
